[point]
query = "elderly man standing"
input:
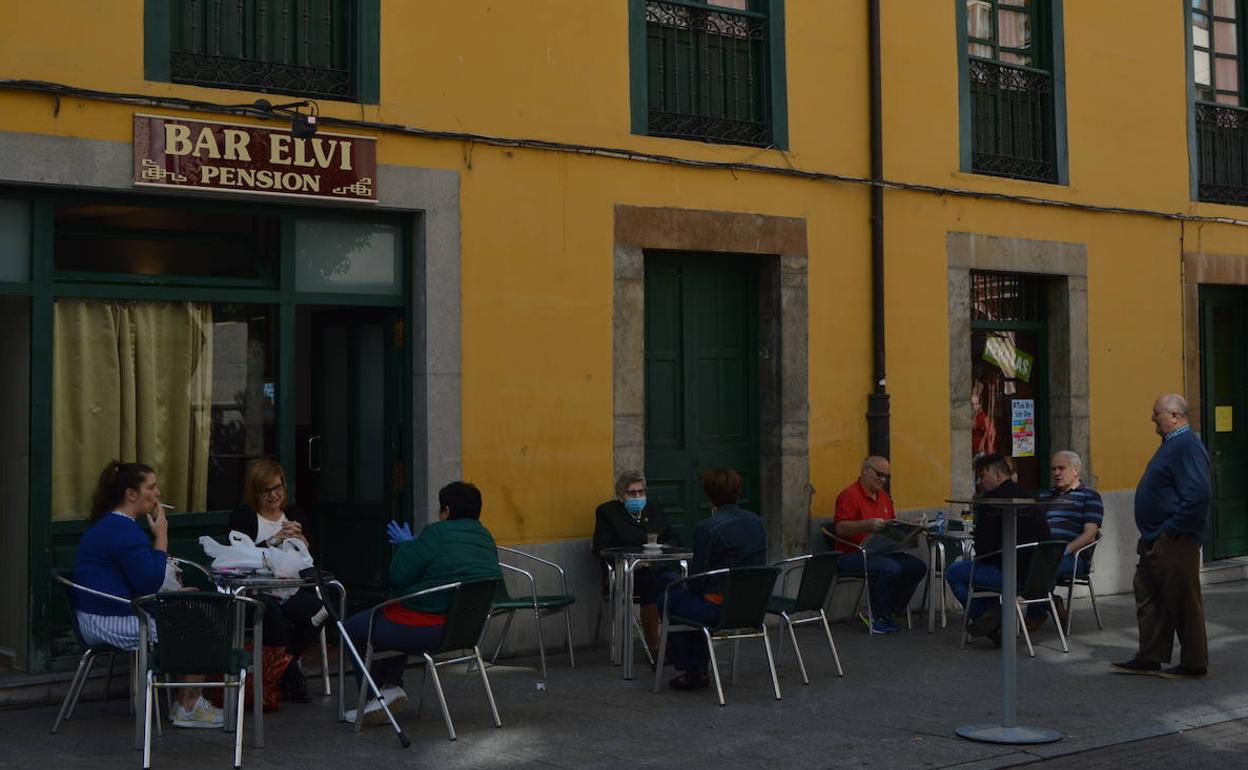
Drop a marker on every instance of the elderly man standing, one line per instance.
(1078, 523)
(862, 508)
(1171, 509)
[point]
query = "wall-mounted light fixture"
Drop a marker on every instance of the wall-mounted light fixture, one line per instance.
(302, 124)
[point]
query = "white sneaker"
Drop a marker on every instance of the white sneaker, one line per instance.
(394, 697)
(202, 714)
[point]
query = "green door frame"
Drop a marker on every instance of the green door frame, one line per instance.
(46, 286)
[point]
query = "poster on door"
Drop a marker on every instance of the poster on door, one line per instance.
(1023, 427)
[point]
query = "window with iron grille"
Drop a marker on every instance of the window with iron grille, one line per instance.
(1218, 38)
(1006, 297)
(314, 48)
(1009, 93)
(709, 70)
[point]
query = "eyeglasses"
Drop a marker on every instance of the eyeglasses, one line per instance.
(272, 491)
(635, 492)
(881, 475)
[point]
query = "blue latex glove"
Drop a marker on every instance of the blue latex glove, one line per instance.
(399, 533)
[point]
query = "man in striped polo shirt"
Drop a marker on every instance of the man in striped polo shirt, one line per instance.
(1077, 523)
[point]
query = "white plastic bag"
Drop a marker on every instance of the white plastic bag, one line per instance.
(239, 553)
(173, 577)
(289, 558)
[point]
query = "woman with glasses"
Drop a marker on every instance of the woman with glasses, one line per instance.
(290, 621)
(625, 521)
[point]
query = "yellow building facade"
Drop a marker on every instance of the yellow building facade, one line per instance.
(543, 208)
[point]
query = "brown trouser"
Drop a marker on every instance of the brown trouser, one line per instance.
(1168, 601)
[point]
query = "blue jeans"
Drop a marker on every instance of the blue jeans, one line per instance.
(958, 576)
(892, 577)
(688, 648)
(390, 636)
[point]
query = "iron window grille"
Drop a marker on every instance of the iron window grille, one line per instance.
(1013, 124)
(1221, 116)
(1222, 142)
(299, 47)
(1006, 297)
(708, 72)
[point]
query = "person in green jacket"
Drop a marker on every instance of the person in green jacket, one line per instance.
(456, 548)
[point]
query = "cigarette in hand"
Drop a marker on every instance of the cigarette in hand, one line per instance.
(166, 506)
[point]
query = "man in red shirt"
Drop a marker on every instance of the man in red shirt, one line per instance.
(861, 509)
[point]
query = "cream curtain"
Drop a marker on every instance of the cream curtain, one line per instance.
(132, 381)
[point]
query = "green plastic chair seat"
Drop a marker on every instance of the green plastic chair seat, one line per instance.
(544, 602)
(779, 604)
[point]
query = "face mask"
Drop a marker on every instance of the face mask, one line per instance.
(635, 505)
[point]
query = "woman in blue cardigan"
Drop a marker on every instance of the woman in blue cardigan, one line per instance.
(115, 557)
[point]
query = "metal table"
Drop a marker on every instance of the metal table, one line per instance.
(250, 585)
(1008, 732)
(934, 540)
(627, 558)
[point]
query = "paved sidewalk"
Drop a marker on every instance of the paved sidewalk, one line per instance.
(1217, 746)
(897, 706)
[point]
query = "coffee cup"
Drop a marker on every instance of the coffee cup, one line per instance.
(652, 540)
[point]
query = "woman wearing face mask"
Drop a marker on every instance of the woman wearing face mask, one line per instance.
(626, 521)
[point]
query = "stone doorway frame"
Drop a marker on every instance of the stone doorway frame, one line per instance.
(780, 245)
(1065, 265)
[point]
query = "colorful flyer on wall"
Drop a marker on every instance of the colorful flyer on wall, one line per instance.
(1023, 427)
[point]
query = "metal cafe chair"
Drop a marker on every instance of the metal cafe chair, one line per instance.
(742, 616)
(818, 574)
(1081, 576)
(90, 651)
(542, 605)
(1036, 587)
(864, 577)
(466, 617)
(196, 634)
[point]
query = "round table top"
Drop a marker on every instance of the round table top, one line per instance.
(662, 552)
(949, 534)
(1009, 502)
(263, 580)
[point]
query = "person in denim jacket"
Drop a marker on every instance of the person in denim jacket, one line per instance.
(731, 537)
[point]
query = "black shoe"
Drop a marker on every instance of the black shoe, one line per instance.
(1184, 672)
(995, 636)
(987, 623)
(690, 680)
(1137, 666)
(294, 684)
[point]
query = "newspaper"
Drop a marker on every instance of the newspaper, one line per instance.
(896, 536)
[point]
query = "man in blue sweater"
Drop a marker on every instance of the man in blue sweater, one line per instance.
(1171, 508)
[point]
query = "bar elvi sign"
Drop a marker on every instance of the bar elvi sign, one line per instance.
(240, 158)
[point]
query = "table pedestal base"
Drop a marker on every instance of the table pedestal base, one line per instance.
(1010, 735)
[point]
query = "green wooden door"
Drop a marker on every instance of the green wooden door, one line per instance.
(701, 379)
(1224, 419)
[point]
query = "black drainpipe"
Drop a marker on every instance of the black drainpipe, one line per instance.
(877, 401)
